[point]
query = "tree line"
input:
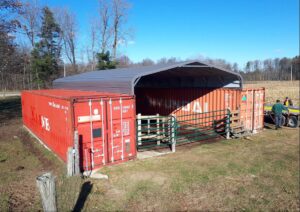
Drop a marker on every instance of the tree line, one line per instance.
(39, 44)
(261, 70)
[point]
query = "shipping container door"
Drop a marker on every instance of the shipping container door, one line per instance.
(259, 97)
(121, 129)
(92, 136)
(252, 109)
(247, 102)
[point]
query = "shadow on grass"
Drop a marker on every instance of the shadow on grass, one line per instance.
(10, 108)
(86, 189)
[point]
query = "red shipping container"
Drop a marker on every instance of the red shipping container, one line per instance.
(188, 101)
(252, 108)
(105, 123)
(185, 101)
(188, 105)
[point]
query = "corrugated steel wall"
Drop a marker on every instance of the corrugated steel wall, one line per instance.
(50, 119)
(252, 108)
(184, 101)
(188, 101)
(105, 124)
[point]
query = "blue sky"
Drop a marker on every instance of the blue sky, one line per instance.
(234, 30)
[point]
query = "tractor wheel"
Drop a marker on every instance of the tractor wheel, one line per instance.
(292, 122)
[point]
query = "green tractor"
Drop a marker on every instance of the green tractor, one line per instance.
(290, 119)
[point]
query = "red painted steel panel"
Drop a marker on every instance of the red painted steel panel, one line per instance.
(50, 120)
(184, 101)
(191, 101)
(187, 104)
(252, 108)
(53, 115)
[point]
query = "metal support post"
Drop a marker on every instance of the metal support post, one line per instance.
(228, 124)
(139, 128)
(173, 128)
(148, 125)
(157, 129)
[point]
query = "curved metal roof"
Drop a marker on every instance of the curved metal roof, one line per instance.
(124, 80)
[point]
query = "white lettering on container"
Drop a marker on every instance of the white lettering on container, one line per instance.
(193, 106)
(58, 106)
(197, 108)
(45, 123)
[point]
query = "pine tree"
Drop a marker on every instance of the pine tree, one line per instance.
(46, 54)
(104, 61)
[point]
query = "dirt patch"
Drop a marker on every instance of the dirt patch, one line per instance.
(22, 196)
(31, 147)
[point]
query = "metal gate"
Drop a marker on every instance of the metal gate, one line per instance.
(161, 131)
(156, 131)
(202, 126)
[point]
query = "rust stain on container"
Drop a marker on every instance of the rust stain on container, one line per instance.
(105, 123)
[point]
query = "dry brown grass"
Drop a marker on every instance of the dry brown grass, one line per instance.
(278, 90)
(261, 174)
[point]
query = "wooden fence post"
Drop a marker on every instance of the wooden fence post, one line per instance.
(70, 162)
(73, 157)
(76, 153)
(46, 186)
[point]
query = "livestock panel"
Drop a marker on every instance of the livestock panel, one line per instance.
(188, 104)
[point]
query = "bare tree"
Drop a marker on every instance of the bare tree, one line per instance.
(66, 20)
(124, 62)
(9, 9)
(147, 62)
(91, 49)
(235, 67)
(119, 15)
(105, 29)
(31, 20)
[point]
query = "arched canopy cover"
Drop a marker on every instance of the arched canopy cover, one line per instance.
(189, 74)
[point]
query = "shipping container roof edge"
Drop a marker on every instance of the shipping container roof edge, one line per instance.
(124, 80)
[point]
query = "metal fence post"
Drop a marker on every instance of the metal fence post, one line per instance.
(163, 127)
(173, 128)
(228, 124)
(157, 129)
(148, 126)
(139, 128)
(46, 186)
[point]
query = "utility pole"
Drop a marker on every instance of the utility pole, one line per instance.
(64, 69)
(291, 72)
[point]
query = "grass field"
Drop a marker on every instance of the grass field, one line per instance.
(278, 90)
(260, 173)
